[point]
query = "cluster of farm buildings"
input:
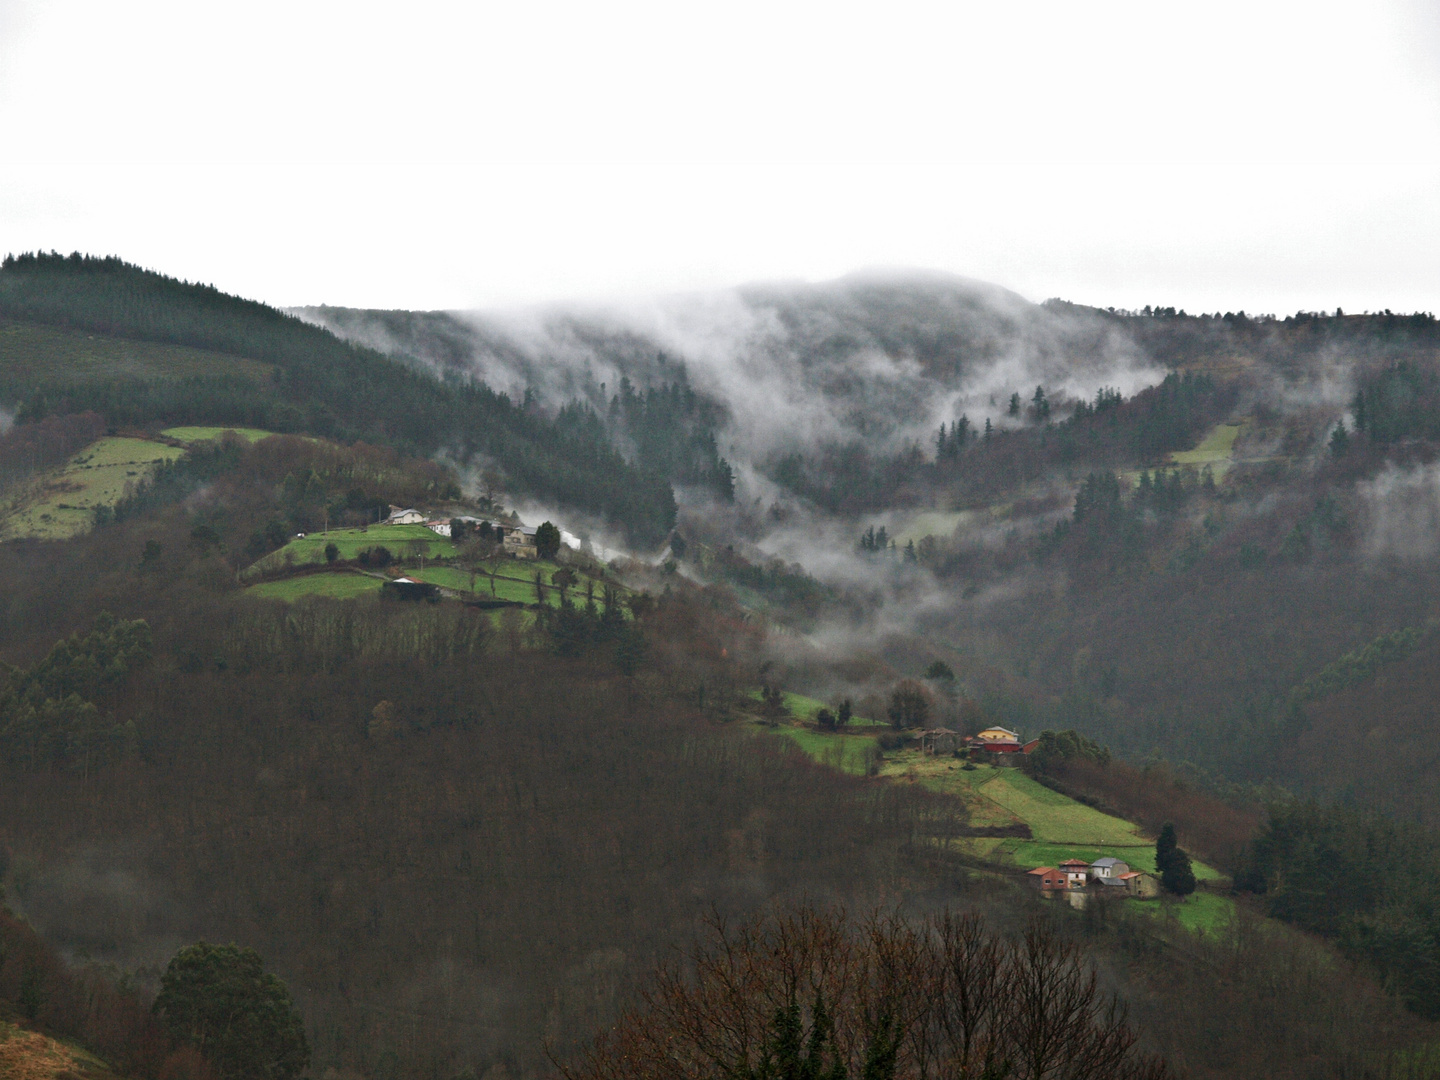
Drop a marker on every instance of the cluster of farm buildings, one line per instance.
(1106, 875)
(517, 540)
(993, 740)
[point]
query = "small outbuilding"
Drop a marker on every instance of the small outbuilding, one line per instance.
(1138, 883)
(940, 740)
(409, 588)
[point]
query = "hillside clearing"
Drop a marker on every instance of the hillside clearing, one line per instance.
(848, 753)
(192, 434)
(1217, 450)
(805, 708)
(60, 503)
(337, 586)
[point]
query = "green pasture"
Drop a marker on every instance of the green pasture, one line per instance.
(200, 434)
(337, 586)
(34, 355)
(1052, 817)
(1214, 450)
(59, 504)
(1033, 853)
(805, 708)
(1203, 911)
(402, 541)
(513, 579)
(849, 753)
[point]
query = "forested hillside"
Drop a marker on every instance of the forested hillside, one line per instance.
(321, 385)
(463, 800)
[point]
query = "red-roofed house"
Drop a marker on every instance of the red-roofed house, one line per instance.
(1076, 872)
(1048, 879)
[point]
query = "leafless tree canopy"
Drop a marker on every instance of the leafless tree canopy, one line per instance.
(812, 994)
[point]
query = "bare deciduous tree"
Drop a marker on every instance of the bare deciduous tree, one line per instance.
(811, 994)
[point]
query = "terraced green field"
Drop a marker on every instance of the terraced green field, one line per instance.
(508, 579)
(35, 355)
(60, 504)
(337, 586)
(199, 434)
(399, 540)
(513, 580)
(849, 753)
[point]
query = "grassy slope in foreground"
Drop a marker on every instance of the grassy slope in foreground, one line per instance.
(60, 502)
(32, 355)
(28, 1055)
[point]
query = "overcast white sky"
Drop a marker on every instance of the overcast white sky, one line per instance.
(1209, 155)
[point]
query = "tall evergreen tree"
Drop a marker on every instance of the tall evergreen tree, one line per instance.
(1176, 875)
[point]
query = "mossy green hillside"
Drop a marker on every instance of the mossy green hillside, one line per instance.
(60, 504)
(192, 433)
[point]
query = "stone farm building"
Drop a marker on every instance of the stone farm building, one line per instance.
(940, 740)
(519, 541)
(409, 588)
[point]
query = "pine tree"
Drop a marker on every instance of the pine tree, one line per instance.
(1339, 440)
(1176, 875)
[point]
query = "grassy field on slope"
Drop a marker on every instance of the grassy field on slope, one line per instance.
(337, 586)
(192, 433)
(28, 1055)
(1061, 828)
(402, 541)
(1215, 448)
(34, 355)
(59, 505)
(501, 579)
